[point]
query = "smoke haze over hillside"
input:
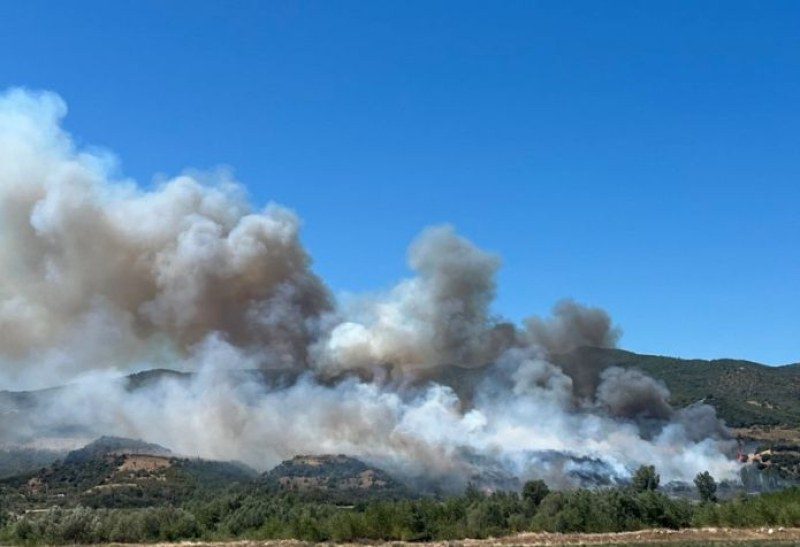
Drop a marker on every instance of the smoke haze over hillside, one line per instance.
(99, 277)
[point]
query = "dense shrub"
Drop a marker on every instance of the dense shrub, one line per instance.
(259, 514)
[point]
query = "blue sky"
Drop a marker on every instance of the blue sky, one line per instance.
(640, 156)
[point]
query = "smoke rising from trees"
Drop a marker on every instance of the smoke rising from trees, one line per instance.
(100, 277)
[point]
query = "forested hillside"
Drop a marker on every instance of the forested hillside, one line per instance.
(744, 393)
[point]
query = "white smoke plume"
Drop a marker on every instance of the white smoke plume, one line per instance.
(96, 272)
(99, 277)
(435, 320)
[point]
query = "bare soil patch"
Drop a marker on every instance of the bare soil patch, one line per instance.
(769, 434)
(141, 462)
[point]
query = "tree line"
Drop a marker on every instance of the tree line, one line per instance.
(251, 513)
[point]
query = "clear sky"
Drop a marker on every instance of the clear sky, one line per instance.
(640, 156)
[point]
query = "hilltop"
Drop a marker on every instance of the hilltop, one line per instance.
(115, 472)
(119, 472)
(115, 446)
(333, 477)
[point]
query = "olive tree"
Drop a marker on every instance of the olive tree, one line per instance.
(645, 478)
(706, 486)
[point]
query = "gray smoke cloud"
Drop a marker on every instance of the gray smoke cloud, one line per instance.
(99, 277)
(567, 334)
(632, 394)
(438, 319)
(572, 326)
(100, 266)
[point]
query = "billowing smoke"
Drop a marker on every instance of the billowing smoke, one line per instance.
(95, 272)
(99, 277)
(436, 320)
(632, 394)
(572, 326)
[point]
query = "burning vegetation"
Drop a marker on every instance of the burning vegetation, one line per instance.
(101, 276)
(456, 423)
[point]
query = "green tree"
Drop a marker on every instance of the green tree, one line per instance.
(706, 486)
(473, 493)
(645, 478)
(533, 492)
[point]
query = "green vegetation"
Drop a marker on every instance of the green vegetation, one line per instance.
(255, 512)
(118, 490)
(645, 479)
(333, 478)
(115, 473)
(113, 445)
(534, 492)
(706, 487)
(743, 393)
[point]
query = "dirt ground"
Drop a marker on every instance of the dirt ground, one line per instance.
(138, 462)
(693, 537)
(769, 434)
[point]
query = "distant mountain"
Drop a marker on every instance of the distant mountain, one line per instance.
(332, 477)
(744, 393)
(272, 378)
(18, 460)
(148, 378)
(762, 402)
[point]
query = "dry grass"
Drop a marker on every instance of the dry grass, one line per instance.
(696, 537)
(769, 434)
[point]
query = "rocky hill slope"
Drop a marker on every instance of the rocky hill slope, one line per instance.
(331, 477)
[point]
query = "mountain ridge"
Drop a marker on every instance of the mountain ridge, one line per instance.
(744, 393)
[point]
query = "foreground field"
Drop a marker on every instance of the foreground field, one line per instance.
(717, 537)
